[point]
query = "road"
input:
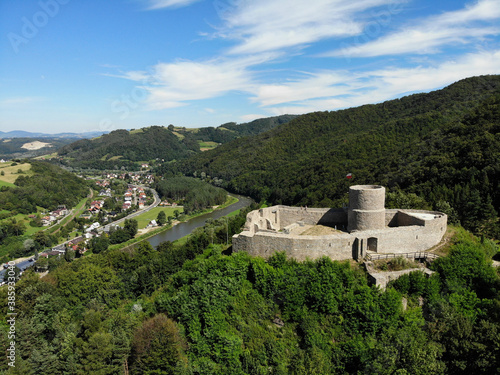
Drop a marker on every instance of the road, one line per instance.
(137, 213)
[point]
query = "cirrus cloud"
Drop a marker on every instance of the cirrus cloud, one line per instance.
(428, 35)
(160, 4)
(262, 25)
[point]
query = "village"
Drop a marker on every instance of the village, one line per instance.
(115, 200)
(115, 197)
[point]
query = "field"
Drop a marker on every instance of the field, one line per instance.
(11, 172)
(205, 146)
(136, 131)
(106, 157)
(144, 219)
(47, 156)
(21, 218)
(180, 136)
(234, 213)
(3, 183)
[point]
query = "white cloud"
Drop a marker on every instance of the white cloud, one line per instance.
(380, 85)
(177, 84)
(317, 85)
(160, 4)
(174, 84)
(456, 27)
(133, 75)
(263, 25)
(391, 82)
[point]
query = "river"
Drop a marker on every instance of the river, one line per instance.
(183, 229)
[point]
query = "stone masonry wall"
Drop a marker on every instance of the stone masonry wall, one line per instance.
(281, 217)
(405, 239)
(390, 231)
(405, 219)
(265, 244)
(311, 216)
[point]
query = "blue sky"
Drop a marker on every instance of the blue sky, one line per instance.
(77, 66)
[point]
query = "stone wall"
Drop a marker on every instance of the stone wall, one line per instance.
(265, 244)
(372, 228)
(405, 219)
(391, 218)
(381, 278)
(409, 238)
(310, 216)
(280, 217)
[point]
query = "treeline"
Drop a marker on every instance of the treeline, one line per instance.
(190, 309)
(231, 130)
(48, 187)
(193, 194)
(459, 165)
(124, 234)
(442, 146)
(125, 148)
(241, 315)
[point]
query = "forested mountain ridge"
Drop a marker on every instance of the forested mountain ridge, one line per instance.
(410, 143)
(231, 130)
(41, 187)
(123, 148)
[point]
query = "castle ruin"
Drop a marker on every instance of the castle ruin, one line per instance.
(344, 233)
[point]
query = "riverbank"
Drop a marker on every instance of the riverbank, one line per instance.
(158, 230)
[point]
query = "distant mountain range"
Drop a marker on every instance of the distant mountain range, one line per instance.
(25, 134)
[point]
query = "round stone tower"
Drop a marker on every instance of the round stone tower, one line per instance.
(366, 208)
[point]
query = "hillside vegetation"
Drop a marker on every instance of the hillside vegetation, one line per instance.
(43, 187)
(12, 148)
(230, 131)
(190, 309)
(442, 146)
(193, 194)
(122, 148)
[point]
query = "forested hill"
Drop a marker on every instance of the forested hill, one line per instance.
(125, 148)
(230, 131)
(122, 148)
(45, 186)
(443, 146)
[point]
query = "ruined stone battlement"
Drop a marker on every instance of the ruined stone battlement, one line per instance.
(364, 225)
